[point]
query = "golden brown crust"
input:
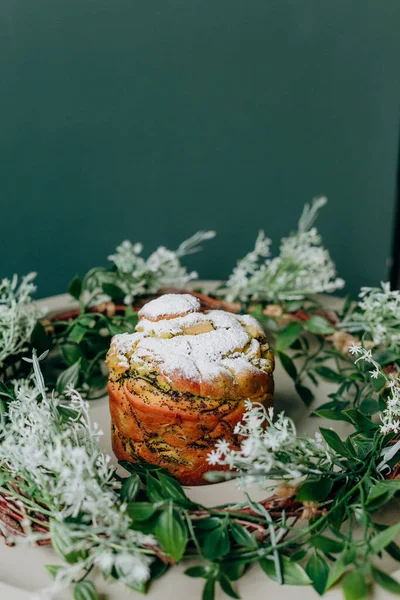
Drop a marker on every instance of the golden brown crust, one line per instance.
(175, 432)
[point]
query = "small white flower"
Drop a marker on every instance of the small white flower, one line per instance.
(213, 457)
(355, 349)
(268, 446)
(135, 275)
(390, 417)
(377, 315)
(18, 315)
(222, 446)
(105, 561)
(302, 268)
(72, 476)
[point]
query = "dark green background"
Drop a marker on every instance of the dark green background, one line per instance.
(150, 119)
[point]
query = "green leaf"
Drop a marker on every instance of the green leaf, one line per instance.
(315, 491)
(207, 523)
(318, 572)
(209, 590)
(77, 333)
(318, 325)
(327, 545)
(141, 511)
(53, 569)
(385, 581)
(71, 353)
(87, 320)
(355, 586)
(361, 444)
(349, 556)
(333, 415)
(157, 569)
(393, 550)
(234, 569)
(39, 338)
(299, 555)
(217, 543)
(67, 413)
(369, 406)
(197, 571)
(390, 484)
(115, 328)
(172, 489)
(288, 365)
(139, 467)
(130, 488)
(172, 533)
(334, 441)
(305, 393)
(75, 287)
(69, 377)
(153, 489)
(113, 291)
(337, 515)
(287, 336)
(131, 316)
(335, 404)
(386, 357)
(384, 537)
(227, 586)
(293, 573)
(242, 536)
(329, 374)
(336, 571)
(358, 419)
(378, 383)
(85, 590)
(140, 586)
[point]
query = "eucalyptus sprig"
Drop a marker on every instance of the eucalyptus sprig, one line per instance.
(313, 343)
(56, 484)
(80, 347)
(376, 317)
(302, 268)
(18, 317)
(131, 276)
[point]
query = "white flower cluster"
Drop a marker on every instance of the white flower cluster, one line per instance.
(18, 315)
(303, 267)
(51, 446)
(377, 314)
(162, 269)
(390, 417)
(270, 448)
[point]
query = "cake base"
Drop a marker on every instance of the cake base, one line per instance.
(174, 432)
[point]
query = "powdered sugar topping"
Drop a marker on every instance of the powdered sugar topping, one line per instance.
(169, 306)
(195, 347)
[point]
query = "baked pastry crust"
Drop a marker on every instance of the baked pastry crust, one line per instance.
(181, 381)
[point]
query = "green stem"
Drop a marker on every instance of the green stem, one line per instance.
(192, 532)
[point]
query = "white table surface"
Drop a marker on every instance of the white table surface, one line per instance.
(22, 572)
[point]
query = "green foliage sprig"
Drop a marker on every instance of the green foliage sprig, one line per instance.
(340, 482)
(302, 268)
(131, 276)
